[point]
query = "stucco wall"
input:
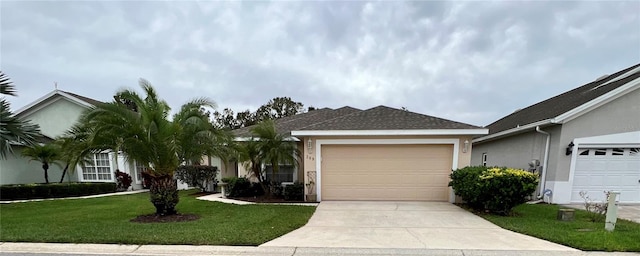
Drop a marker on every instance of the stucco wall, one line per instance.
(56, 117)
(519, 150)
(515, 151)
(19, 170)
(618, 116)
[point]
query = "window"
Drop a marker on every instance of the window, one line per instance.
(484, 159)
(98, 168)
(139, 169)
(617, 152)
(285, 173)
(584, 153)
(600, 151)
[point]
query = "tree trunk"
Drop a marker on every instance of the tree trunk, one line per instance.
(45, 167)
(164, 194)
(64, 172)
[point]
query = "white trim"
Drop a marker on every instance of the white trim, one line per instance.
(319, 143)
(627, 139)
(615, 140)
(620, 77)
(93, 159)
(513, 130)
(597, 102)
(49, 95)
(480, 131)
(573, 113)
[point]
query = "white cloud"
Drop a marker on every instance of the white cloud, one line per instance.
(467, 61)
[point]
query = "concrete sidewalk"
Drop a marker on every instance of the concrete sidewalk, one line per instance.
(218, 198)
(77, 197)
(190, 250)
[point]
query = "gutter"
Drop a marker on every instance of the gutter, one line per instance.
(544, 163)
(514, 130)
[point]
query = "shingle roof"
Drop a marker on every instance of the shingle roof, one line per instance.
(386, 118)
(564, 102)
(83, 98)
(290, 123)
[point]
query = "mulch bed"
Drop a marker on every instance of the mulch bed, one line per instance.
(153, 218)
(264, 199)
(197, 194)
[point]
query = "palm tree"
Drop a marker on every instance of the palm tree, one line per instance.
(74, 149)
(198, 136)
(275, 148)
(46, 154)
(139, 127)
(248, 152)
(13, 129)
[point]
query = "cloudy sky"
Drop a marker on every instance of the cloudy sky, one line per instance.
(472, 62)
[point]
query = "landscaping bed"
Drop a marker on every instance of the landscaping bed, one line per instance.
(539, 220)
(265, 199)
(54, 190)
(76, 221)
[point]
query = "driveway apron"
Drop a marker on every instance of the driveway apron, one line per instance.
(431, 225)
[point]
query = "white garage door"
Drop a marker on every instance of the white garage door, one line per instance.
(607, 169)
(386, 172)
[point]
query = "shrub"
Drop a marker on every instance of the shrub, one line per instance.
(596, 210)
(242, 187)
(277, 190)
(494, 189)
(466, 184)
(294, 192)
(54, 190)
(197, 175)
(123, 181)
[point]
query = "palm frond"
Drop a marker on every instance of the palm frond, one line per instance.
(6, 87)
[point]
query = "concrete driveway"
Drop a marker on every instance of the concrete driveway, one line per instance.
(625, 211)
(431, 225)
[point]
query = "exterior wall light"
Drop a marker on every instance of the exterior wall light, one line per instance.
(310, 145)
(465, 148)
(569, 149)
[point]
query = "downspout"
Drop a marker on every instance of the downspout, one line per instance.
(544, 163)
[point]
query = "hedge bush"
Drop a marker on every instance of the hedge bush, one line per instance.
(294, 192)
(493, 189)
(54, 190)
(197, 175)
(242, 187)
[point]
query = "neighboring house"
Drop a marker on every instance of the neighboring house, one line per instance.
(586, 139)
(380, 153)
(55, 113)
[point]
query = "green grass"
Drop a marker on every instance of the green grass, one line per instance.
(107, 220)
(539, 220)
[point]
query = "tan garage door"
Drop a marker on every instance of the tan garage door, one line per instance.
(386, 172)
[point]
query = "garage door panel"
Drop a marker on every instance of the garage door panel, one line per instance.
(382, 179)
(408, 150)
(386, 193)
(385, 165)
(386, 172)
(609, 172)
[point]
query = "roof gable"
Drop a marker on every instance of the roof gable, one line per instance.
(565, 102)
(51, 97)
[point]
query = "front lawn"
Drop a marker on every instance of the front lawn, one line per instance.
(539, 220)
(107, 220)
